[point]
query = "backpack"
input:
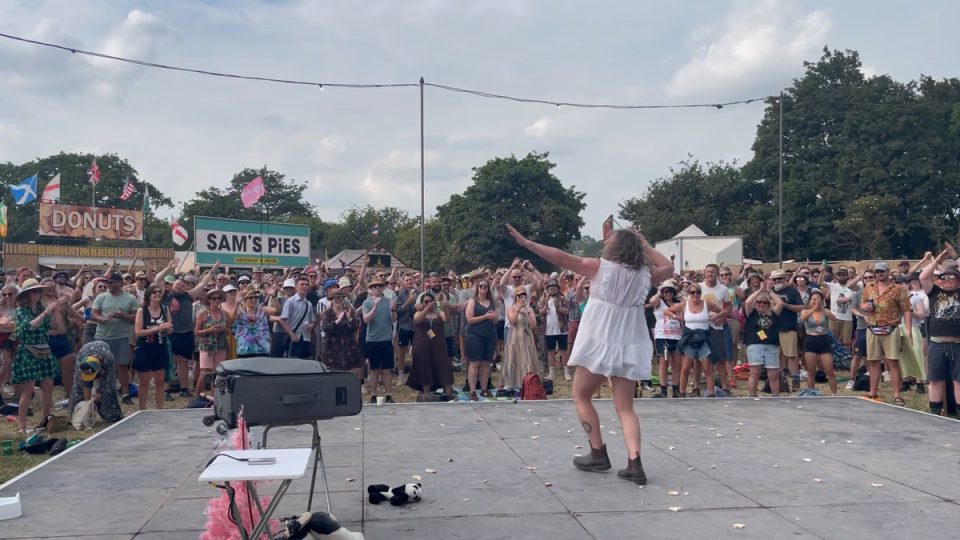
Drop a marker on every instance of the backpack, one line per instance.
(861, 381)
(784, 383)
(548, 386)
(532, 388)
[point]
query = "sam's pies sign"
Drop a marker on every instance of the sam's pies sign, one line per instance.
(77, 221)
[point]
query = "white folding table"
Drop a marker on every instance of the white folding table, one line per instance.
(291, 463)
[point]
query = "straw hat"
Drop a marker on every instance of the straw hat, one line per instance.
(31, 285)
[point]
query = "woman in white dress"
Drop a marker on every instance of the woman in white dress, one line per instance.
(613, 339)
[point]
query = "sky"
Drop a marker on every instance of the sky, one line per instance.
(185, 132)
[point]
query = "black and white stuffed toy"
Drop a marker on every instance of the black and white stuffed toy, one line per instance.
(319, 525)
(397, 496)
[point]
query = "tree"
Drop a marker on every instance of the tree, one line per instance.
(407, 246)
(586, 247)
(709, 197)
(281, 201)
(355, 228)
(521, 192)
(74, 189)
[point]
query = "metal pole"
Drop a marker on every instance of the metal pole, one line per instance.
(94, 201)
(422, 213)
(781, 180)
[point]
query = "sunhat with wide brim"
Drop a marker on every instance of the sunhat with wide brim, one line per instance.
(31, 285)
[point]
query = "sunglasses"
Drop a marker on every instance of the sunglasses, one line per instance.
(483, 287)
(778, 279)
(763, 303)
(521, 296)
(869, 277)
(725, 275)
(948, 276)
(693, 292)
(7, 294)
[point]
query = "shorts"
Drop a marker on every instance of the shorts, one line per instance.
(788, 343)
(404, 337)
(728, 339)
(943, 361)
(501, 330)
(120, 348)
(6, 343)
(699, 353)
(817, 344)
(380, 354)
(767, 356)
(883, 347)
(718, 340)
(556, 342)
(480, 348)
(149, 359)
(182, 344)
(60, 346)
(860, 344)
(842, 330)
(664, 346)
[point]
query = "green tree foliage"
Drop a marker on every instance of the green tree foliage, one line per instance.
(407, 245)
(523, 192)
(586, 247)
(852, 145)
(355, 229)
(282, 200)
(76, 189)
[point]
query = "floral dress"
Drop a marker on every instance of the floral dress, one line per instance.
(341, 352)
(217, 341)
(32, 361)
(252, 331)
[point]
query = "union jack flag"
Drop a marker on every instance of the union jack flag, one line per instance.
(127, 188)
(94, 173)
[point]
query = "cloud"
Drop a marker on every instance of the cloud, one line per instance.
(539, 128)
(759, 42)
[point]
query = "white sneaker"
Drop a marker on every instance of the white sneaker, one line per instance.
(8, 390)
(566, 375)
(886, 376)
(803, 374)
(849, 385)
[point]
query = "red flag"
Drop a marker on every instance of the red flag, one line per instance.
(127, 189)
(252, 192)
(94, 173)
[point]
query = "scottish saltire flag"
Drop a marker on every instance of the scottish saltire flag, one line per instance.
(25, 191)
(375, 228)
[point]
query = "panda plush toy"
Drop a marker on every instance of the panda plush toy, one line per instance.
(397, 496)
(318, 525)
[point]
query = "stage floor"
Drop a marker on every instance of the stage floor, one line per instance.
(884, 472)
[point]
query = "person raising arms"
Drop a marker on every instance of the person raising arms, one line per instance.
(614, 340)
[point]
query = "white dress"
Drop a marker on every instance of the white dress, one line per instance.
(613, 338)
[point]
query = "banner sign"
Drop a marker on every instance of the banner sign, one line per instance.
(44, 250)
(378, 261)
(237, 243)
(77, 221)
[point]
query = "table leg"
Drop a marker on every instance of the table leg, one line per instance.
(231, 495)
(252, 491)
(323, 476)
(271, 508)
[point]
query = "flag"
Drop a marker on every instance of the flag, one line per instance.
(3, 219)
(607, 227)
(93, 173)
(343, 265)
(179, 233)
(25, 191)
(375, 227)
(127, 189)
(146, 200)
(251, 192)
(52, 192)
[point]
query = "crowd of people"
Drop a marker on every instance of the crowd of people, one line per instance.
(164, 327)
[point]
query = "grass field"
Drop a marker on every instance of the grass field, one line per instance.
(11, 466)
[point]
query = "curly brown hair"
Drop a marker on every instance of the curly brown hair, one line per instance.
(623, 247)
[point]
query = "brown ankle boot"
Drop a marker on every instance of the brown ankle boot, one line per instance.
(596, 461)
(633, 472)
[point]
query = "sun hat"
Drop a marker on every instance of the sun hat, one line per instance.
(376, 281)
(292, 283)
(89, 368)
(63, 273)
(170, 279)
(229, 288)
(31, 285)
(668, 284)
(330, 282)
(243, 277)
(345, 283)
(777, 274)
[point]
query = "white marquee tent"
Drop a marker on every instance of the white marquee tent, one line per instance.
(694, 250)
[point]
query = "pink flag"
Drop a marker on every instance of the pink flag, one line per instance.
(252, 192)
